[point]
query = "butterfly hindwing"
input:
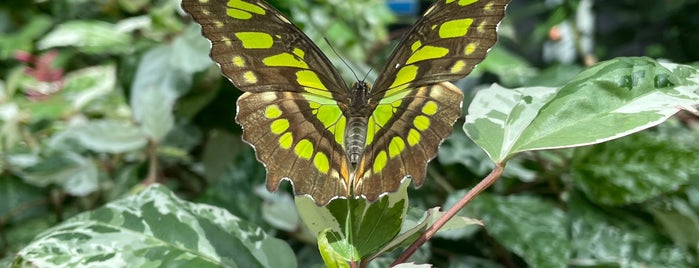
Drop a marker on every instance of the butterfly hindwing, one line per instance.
(292, 146)
(404, 134)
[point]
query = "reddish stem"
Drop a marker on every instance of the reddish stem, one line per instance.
(482, 185)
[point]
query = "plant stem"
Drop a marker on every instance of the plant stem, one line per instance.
(153, 165)
(482, 185)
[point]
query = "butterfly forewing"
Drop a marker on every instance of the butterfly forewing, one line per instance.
(259, 50)
(292, 112)
(443, 45)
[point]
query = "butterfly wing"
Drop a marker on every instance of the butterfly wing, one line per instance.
(292, 111)
(415, 105)
(443, 45)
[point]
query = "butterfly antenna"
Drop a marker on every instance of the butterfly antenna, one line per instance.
(367, 73)
(342, 59)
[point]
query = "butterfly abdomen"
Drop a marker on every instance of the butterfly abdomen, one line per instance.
(355, 136)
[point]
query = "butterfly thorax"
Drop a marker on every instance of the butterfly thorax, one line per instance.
(357, 119)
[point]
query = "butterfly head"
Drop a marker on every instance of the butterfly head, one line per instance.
(359, 98)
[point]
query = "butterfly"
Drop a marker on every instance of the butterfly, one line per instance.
(329, 139)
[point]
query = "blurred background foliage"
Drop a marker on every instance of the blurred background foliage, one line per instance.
(99, 97)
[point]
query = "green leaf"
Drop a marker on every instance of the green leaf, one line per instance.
(620, 239)
(412, 230)
(88, 84)
(155, 88)
(154, 113)
(109, 136)
(679, 221)
(156, 229)
(15, 196)
(412, 265)
(359, 228)
(528, 226)
(331, 257)
(638, 167)
(607, 101)
(24, 39)
(89, 36)
(510, 68)
(190, 50)
(76, 174)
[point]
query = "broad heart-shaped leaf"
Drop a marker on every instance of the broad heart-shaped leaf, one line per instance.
(637, 168)
(607, 101)
(354, 228)
(155, 229)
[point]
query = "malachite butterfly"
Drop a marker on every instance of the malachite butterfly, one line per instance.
(333, 140)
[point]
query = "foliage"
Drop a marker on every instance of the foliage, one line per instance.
(110, 108)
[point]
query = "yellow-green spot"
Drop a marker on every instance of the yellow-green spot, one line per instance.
(304, 149)
(255, 40)
(395, 147)
(250, 77)
(466, 2)
(382, 114)
(405, 75)
(370, 131)
(339, 131)
(308, 78)
(455, 28)
(218, 24)
(426, 53)
(458, 66)
(429, 108)
(285, 59)
(273, 111)
(314, 105)
(319, 100)
(226, 41)
(286, 140)
(279, 126)
(320, 160)
(239, 9)
(481, 27)
(328, 115)
(421, 122)
(299, 52)
(395, 90)
(380, 161)
(238, 61)
(396, 104)
(324, 93)
(470, 48)
(413, 137)
(417, 44)
(394, 99)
